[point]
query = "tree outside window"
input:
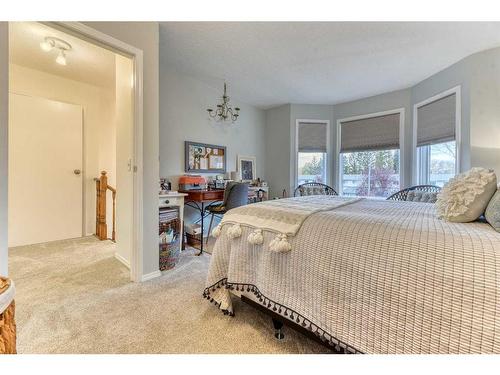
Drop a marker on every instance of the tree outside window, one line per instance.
(370, 173)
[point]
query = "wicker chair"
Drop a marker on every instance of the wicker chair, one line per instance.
(402, 195)
(313, 188)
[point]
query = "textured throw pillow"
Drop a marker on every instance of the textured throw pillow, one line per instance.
(492, 213)
(421, 196)
(429, 197)
(465, 197)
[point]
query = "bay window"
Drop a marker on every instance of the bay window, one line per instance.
(312, 154)
(436, 123)
(370, 155)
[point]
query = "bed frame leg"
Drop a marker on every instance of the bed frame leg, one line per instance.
(278, 325)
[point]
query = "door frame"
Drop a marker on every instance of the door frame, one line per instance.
(94, 36)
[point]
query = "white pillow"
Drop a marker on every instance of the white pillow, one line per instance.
(465, 197)
(492, 213)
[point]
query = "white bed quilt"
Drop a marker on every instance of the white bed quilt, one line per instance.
(374, 277)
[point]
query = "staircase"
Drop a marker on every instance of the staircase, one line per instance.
(101, 227)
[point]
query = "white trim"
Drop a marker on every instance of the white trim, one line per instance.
(401, 111)
(150, 276)
(458, 133)
(124, 261)
(328, 174)
(106, 41)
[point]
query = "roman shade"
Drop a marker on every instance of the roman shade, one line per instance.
(312, 137)
(373, 133)
(436, 121)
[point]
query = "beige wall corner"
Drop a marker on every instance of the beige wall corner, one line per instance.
(4, 104)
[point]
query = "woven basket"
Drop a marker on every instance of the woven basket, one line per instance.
(7, 323)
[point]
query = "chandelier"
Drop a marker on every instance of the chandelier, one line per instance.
(224, 111)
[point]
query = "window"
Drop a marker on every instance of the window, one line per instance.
(437, 163)
(436, 121)
(312, 154)
(370, 155)
(311, 167)
(370, 173)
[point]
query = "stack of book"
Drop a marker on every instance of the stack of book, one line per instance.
(168, 214)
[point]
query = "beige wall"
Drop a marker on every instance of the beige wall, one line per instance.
(4, 124)
(145, 35)
(98, 122)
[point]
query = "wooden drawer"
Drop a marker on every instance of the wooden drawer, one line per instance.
(213, 195)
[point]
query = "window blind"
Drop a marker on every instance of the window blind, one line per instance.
(436, 121)
(312, 137)
(373, 133)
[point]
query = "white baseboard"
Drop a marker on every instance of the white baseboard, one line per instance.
(124, 261)
(151, 275)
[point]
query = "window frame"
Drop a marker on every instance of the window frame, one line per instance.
(416, 172)
(298, 122)
(338, 164)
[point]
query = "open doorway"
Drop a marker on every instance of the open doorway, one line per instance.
(71, 116)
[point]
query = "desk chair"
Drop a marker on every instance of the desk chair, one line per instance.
(235, 195)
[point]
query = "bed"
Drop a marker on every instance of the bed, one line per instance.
(369, 276)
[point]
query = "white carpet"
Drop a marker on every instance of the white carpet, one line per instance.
(73, 296)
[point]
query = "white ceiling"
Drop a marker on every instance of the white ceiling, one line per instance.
(86, 62)
(268, 64)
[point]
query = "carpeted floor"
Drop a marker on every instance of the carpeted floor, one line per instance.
(73, 296)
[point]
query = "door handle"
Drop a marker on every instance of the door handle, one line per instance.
(77, 171)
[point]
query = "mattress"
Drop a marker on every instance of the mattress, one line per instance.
(373, 277)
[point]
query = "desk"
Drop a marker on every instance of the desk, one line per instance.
(200, 200)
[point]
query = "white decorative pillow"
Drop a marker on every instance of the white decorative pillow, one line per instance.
(465, 197)
(492, 213)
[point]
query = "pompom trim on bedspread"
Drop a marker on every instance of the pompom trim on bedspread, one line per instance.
(279, 309)
(279, 244)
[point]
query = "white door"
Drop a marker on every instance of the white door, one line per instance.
(45, 170)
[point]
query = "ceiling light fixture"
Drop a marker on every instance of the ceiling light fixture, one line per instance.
(50, 43)
(61, 58)
(47, 45)
(224, 111)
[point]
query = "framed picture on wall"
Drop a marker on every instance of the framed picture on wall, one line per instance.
(247, 168)
(204, 158)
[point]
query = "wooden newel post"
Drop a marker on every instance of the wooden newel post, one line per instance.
(102, 187)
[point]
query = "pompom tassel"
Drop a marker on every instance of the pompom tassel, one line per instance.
(216, 231)
(256, 237)
(280, 244)
(234, 231)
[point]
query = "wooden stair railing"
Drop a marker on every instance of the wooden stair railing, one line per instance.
(101, 227)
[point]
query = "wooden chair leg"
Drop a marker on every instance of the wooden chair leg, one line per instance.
(210, 227)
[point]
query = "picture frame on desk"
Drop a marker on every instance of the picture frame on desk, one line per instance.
(204, 158)
(247, 168)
